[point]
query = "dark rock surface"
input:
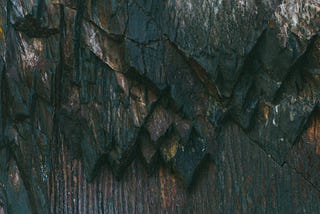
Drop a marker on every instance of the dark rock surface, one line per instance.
(161, 81)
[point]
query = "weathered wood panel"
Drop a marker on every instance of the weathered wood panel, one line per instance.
(107, 90)
(241, 178)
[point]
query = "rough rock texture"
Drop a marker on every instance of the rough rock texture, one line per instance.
(206, 88)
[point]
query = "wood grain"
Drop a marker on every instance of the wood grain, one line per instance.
(239, 178)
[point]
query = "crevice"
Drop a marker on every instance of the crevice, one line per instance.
(119, 166)
(147, 15)
(113, 36)
(204, 77)
(197, 175)
(32, 28)
(203, 165)
(256, 143)
(296, 69)
(149, 42)
(305, 126)
(200, 73)
(134, 75)
(301, 174)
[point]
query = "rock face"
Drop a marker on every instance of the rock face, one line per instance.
(112, 79)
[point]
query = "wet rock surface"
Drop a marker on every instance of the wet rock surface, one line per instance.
(118, 81)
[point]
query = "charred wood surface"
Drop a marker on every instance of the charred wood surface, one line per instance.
(133, 106)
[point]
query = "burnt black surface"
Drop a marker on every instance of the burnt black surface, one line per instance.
(118, 81)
